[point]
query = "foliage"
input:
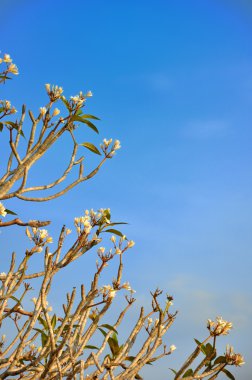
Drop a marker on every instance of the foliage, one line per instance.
(47, 345)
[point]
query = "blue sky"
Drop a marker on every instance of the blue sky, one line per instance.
(172, 81)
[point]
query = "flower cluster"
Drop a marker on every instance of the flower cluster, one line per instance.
(39, 236)
(43, 111)
(108, 291)
(107, 145)
(83, 223)
(11, 67)
(6, 107)
(219, 327)
(78, 100)
(54, 92)
(3, 211)
(232, 358)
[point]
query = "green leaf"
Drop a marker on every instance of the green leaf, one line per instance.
(91, 147)
(201, 346)
(138, 377)
(87, 116)
(220, 359)
(54, 321)
(16, 299)
(44, 339)
(102, 331)
(173, 370)
(85, 121)
(78, 112)
(115, 232)
(15, 126)
(228, 374)
(188, 373)
(116, 223)
(43, 322)
(4, 77)
(90, 347)
(209, 349)
(109, 327)
(1, 127)
(10, 212)
(130, 358)
(114, 346)
(39, 330)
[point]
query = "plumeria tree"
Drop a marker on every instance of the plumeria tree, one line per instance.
(80, 342)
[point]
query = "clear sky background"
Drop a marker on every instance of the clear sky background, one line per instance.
(172, 80)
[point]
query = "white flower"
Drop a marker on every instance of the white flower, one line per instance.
(172, 347)
(3, 274)
(131, 244)
(3, 211)
(56, 112)
(117, 145)
(42, 111)
(126, 286)
(34, 300)
(7, 58)
(43, 233)
(28, 233)
(113, 239)
(13, 69)
(68, 231)
(150, 321)
(101, 250)
(89, 94)
(219, 327)
(118, 251)
(48, 88)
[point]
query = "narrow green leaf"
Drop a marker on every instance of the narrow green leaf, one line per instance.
(114, 346)
(87, 116)
(109, 327)
(85, 121)
(173, 370)
(54, 321)
(43, 322)
(130, 358)
(188, 373)
(15, 126)
(102, 331)
(220, 359)
(39, 330)
(16, 299)
(90, 347)
(202, 347)
(44, 339)
(115, 232)
(138, 377)
(4, 77)
(228, 374)
(91, 147)
(209, 349)
(78, 112)
(10, 212)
